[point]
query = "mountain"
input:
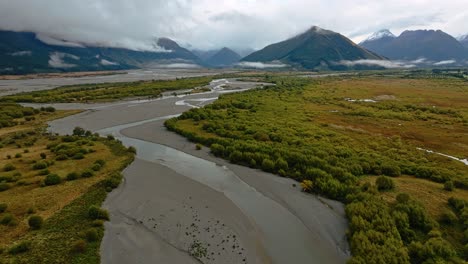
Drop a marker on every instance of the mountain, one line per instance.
(204, 55)
(464, 40)
(224, 57)
(434, 45)
(314, 49)
(27, 52)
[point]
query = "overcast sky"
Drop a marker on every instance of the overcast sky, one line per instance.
(209, 24)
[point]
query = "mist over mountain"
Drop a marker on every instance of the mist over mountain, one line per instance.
(316, 48)
(27, 52)
(224, 57)
(433, 45)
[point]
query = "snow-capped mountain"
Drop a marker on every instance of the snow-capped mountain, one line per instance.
(384, 33)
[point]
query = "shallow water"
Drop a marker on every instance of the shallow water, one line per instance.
(286, 238)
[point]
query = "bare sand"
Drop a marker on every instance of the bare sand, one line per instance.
(167, 213)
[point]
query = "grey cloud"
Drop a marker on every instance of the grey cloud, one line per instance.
(381, 63)
(210, 24)
(444, 62)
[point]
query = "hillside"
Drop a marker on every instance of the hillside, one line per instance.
(313, 49)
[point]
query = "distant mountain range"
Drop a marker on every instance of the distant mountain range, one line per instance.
(25, 52)
(434, 45)
(316, 48)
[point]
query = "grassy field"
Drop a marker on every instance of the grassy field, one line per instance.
(355, 139)
(54, 179)
(107, 91)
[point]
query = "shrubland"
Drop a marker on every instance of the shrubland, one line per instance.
(356, 139)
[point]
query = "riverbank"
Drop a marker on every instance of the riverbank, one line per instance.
(262, 217)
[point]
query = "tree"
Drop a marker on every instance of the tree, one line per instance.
(35, 222)
(78, 131)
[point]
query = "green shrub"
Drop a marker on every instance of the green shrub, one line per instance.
(100, 162)
(110, 137)
(7, 219)
(96, 167)
(18, 155)
(52, 179)
(3, 207)
(78, 246)
(78, 131)
(384, 183)
(198, 146)
(132, 149)
(30, 210)
(87, 174)
(61, 157)
(40, 165)
(403, 198)
(44, 172)
(98, 223)
(449, 217)
(78, 156)
(35, 222)
(95, 212)
(448, 186)
(21, 247)
(9, 167)
(268, 165)
(91, 235)
(43, 155)
(72, 176)
(4, 186)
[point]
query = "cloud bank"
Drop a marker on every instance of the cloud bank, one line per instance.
(209, 24)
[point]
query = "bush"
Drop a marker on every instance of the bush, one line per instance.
(35, 222)
(40, 165)
(52, 179)
(72, 176)
(384, 183)
(91, 235)
(306, 185)
(20, 248)
(449, 217)
(78, 246)
(3, 207)
(7, 219)
(268, 165)
(61, 157)
(98, 223)
(198, 146)
(110, 137)
(9, 167)
(18, 155)
(132, 149)
(78, 131)
(403, 198)
(87, 174)
(448, 186)
(4, 186)
(96, 167)
(100, 162)
(78, 156)
(43, 155)
(95, 212)
(44, 172)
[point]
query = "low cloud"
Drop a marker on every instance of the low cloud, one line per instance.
(445, 62)
(382, 63)
(108, 63)
(57, 42)
(179, 66)
(56, 60)
(260, 65)
(21, 53)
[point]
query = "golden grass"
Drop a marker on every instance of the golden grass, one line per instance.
(431, 194)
